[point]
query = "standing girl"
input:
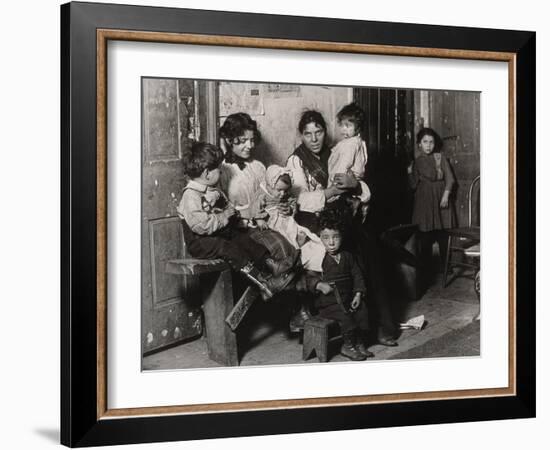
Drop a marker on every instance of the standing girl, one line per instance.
(431, 177)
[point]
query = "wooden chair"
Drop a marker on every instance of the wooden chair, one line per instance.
(461, 239)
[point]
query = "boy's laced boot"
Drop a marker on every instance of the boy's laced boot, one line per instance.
(269, 285)
(361, 344)
(280, 266)
(298, 320)
(349, 350)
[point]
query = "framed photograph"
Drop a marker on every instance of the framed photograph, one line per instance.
(278, 224)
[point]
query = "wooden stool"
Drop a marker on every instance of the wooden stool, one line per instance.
(316, 338)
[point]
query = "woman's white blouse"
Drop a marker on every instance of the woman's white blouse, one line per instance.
(309, 192)
(241, 186)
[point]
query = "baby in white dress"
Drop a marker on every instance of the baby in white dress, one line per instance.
(273, 197)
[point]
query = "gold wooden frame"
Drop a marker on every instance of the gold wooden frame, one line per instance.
(103, 36)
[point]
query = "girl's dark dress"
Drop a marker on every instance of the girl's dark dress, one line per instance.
(431, 178)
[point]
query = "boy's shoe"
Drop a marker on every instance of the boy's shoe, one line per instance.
(363, 349)
(362, 338)
(269, 285)
(349, 350)
(280, 266)
(387, 341)
(298, 320)
(278, 283)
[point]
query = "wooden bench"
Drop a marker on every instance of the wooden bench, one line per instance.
(217, 302)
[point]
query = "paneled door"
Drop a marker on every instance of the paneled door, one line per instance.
(174, 114)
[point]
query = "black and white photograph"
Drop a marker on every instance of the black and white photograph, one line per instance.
(247, 225)
(304, 224)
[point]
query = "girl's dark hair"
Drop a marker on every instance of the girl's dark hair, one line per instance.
(201, 156)
(332, 219)
(355, 114)
(311, 116)
(235, 126)
(438, 143)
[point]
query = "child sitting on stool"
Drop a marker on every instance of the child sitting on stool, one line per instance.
(342, 289)
(210, 225)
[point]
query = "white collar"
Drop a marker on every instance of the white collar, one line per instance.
(196, 186)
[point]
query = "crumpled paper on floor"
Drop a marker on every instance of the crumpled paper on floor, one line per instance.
(415, 323)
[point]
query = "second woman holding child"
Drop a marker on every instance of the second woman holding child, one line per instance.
(314, 192)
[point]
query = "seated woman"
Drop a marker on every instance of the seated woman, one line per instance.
(240, 178)
(309, 167)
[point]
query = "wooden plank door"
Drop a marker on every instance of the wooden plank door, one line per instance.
(388, 132)
(455, 115)
(173, 116)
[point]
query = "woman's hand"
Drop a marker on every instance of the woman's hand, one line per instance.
(324, 287)
(345, 181)
(333, 191)
(356, 301)
(301, 238)
(230, 211)
(284, 208)
(444, 200)
(262, 224)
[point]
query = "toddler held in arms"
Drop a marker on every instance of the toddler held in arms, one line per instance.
(349, 156)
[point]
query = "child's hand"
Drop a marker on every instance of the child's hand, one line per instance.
(410, 168)
(356, 301)
(212, 196)
(444, 200)
(262, 224)
(324, 287)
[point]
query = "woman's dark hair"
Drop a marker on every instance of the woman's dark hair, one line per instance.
(332, 219)
(235, 126)
(201, 156)
(311, 116)
(355, 114)
(438, 143)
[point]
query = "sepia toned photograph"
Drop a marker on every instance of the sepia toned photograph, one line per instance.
(306, 224)
(271, 224)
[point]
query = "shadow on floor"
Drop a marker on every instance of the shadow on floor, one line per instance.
(49, 434)
(461, 342)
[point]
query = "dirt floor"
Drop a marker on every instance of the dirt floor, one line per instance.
(263, 337)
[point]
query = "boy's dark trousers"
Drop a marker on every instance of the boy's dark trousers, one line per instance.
(232, 244)
(349, 321)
